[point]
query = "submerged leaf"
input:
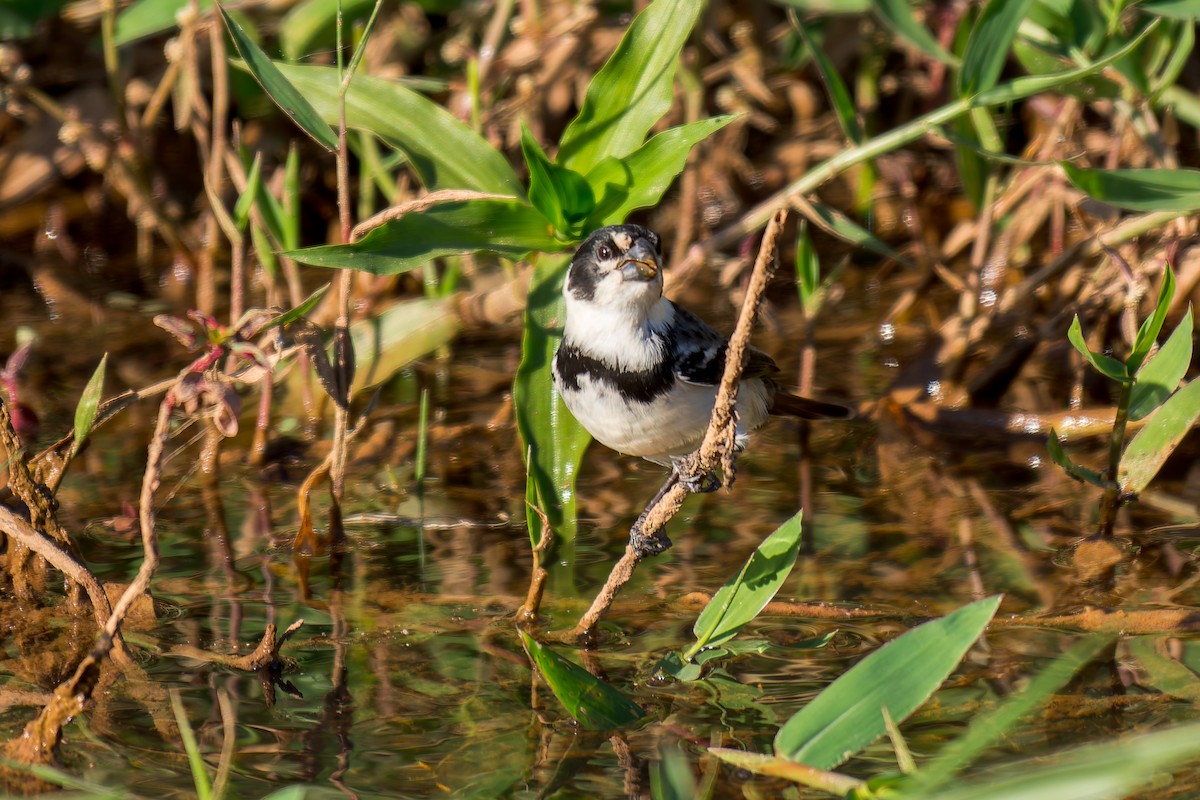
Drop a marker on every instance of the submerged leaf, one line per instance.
(595, 704)
(846, 716)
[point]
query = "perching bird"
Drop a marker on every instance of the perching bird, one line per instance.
(641, 373)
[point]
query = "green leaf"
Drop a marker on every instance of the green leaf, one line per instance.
(596, 705)
(671, 776)
(1164, 673)
(1147, 334)
(632, 90)
(839, 95)
(1059, 456)
(643, 177)
(846, 716)
(808, 271)
(1158, 438)
(289, 99)
(89, 401)
(987, 48)
(1109, 770)
(837, 224)
(444, 152)
(507, 227)
(553, 437)
(1160, 376)
(149, 17)
(743, 596)
(561, 194)
(1105, 365)
(310, 25)
(291, 315)
(1187, 10)
(992, 725)
(1139, 189)
(897, 15)
(241, 211)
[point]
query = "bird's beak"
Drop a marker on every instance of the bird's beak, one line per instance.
(641, 262)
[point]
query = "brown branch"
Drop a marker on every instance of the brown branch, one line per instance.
(717, 447)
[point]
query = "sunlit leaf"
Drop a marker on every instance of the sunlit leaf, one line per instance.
(1139, 189)
(837, 224)
(846, 717)
(1147, 334)
(1160, 376)
(596, 705)
(561, 194)
(1158, 438)
(648, 171)
(147, 17)
(289, 99)
(290, 316)
(633, 89)
(1109, 770)
(445, 152)
(743, 596)
(554, 438)
(991, 726)
(1105, 365)
(1187, 10)
(898, 16)
(311, 24)
(1060, 457)
(89, 402)
(506, 227)
(989, 43)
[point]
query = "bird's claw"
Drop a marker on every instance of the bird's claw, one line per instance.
(701, 484)
(645, 546)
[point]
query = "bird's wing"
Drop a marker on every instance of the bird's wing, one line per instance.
(700, 353)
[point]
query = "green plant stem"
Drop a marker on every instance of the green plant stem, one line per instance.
(1116, 444)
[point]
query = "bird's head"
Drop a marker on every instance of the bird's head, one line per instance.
(617, 267)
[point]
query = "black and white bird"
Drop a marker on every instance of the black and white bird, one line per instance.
(641, 373)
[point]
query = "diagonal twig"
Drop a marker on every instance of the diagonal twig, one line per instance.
(717, 447)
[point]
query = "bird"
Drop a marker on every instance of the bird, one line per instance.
(640, 372)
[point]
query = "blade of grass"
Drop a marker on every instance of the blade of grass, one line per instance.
(1139, 189)
(593, 703)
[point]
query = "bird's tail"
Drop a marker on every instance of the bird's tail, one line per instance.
(791, 405)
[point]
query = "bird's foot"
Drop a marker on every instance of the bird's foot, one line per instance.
(645, 546)
(701, 484)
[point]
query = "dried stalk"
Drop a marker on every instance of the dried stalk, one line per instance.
(717, 447)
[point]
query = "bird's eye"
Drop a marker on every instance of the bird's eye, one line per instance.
(604, 252)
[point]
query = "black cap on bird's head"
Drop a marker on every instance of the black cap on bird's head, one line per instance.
(616, 264)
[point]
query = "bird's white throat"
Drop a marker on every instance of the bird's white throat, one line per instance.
(621, 336)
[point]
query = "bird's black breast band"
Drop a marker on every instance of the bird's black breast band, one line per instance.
(638, 385)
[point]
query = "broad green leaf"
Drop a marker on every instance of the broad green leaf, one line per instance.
(671, 776)
(649, 171)
(633, 89)
(987, 48)
(444, 152)
(1092, 772)
(1059, 456)
(846, 716)
(596, 705)
(147, 17)
(509, 228)
(89, 401)
(1160, 376)
(991, 726)
(1158, 438)
(561, 194)
(898, 17)
(839, 95)
(310, 25)
(1105, 365)
(1187, 10)
(1147, 334)
(553, 437)
(384, 344)
(1139, 189)
(744, 595)
(289, 98)
(241, 211)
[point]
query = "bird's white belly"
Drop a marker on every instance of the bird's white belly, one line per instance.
(670, 426)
